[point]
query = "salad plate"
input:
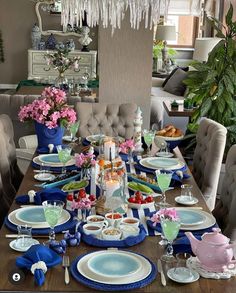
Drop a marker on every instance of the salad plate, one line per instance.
(142, 272)
(164, 154)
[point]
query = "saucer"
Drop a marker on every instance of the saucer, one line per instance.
(164, 154)
(184, 200)
(13, 245)
(182, 278)
(44, 177)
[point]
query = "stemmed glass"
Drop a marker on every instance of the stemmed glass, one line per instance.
(163, 180)
(64, 155)
(52, 211)
(73, 128)
(148, 136)
(170, 229)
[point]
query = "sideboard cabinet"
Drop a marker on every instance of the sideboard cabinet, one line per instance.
(37, 67)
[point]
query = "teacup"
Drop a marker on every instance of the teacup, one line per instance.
(92, 229)
(97, 220)
(111, 233)
(128, 230)
(134, 222)
(113, 219)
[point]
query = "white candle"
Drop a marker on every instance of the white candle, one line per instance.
(111, 186)
(109, 150)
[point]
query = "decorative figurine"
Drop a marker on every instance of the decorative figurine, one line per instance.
(138, 121)
(51, 42)
(35, 37)
(84, 39)
(70, 44)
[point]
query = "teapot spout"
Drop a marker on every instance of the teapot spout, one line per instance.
(193, 241)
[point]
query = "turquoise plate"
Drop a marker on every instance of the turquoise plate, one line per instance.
(53, 158)
(190, 217)
(31, 216)
(114, 265)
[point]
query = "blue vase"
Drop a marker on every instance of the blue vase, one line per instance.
(48, 136)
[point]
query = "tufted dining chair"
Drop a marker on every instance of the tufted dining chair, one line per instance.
(225, 209)
(207, 158)
(109, 119)
(10, 174)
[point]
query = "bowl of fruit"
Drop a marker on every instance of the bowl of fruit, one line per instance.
(140, 201)
(171, 134)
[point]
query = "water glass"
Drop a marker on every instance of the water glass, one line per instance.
(182, 272)
(148, 136)
(73, 128)
(186, 192)
(64, 155)
(24, 238)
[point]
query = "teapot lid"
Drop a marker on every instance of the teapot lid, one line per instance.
(215, 237)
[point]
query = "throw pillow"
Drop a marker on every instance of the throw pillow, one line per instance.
(175, 84)
(172, 72)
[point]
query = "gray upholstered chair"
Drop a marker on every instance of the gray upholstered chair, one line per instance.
(109, 119)
(9, 172)
(207, 158)
(225, 209)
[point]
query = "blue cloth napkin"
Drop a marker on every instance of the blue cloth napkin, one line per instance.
(42, 195)
(54, 169)
(45, 150)
(182, 244)
(34, 255)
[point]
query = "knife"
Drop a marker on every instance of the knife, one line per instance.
(163, 278)
(16, 236)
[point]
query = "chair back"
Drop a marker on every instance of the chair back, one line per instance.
(225, 209)
(9, 172)
(207, 158)
(109, 119)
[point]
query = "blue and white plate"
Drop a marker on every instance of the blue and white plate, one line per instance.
(52, 160)
(31, 216)
(114, 265)
(190, 217)
(144, 270)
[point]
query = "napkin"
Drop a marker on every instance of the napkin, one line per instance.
(38, 258)
(182, 244)
(42, 195)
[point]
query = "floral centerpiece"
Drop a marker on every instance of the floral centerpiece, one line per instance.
(50, 114)
(168, 213)
(61, 61)
(127, 146)
(85, 162)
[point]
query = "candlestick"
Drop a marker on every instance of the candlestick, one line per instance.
(111, 186)
(109, 150)
(138, 121)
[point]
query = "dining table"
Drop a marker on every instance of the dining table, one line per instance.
(149, 248)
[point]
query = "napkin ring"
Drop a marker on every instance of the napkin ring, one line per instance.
(40, 265)
(31, 195)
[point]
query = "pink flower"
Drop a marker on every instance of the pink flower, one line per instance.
(85, 161)
(127, 146)
(168, 213)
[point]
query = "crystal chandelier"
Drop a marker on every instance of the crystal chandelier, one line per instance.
(112, 12)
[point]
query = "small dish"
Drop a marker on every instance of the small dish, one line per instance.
(44, 177)
(130, 221)
(182, 278)
(13, 245)
(68, 138)
(184, 200)
(92, 229)
(113, 219)
(111, 233)
(128, 230)
(164, 154)
(97, 220)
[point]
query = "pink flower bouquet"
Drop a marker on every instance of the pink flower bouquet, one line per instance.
(52, 110)
(127, 146)
(168, 213)
(85, 160)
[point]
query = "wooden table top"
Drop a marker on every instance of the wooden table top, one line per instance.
(149, 247)
(177, 113)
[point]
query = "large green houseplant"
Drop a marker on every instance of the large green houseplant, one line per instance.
(212, 86)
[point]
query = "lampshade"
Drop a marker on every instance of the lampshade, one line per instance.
(203, 47)
(166, 32)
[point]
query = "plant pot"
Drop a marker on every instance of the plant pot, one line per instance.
(48, 136)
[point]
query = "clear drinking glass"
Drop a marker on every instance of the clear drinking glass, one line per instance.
(52, 212)
(170, 229)
(73, 128)
(163, 180)
(64, 155)
(182, 272)
(24, 236)
(186, 192)
(148, 136)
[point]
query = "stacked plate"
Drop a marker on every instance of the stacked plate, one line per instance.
(162, 163)
(34, 216)
(114, 267)
(52, 160)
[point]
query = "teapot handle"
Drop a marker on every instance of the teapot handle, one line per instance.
(217, 230)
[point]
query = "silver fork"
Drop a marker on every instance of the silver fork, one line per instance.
(66, 264)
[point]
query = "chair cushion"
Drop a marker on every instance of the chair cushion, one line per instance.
(175, 84)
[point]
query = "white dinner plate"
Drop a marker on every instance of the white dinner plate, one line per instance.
(181, 279)
(208, 221)
(142, 273)
(162, 163)
(31, 216)
(146, 163)
(37, 161)
(13, 245)
(184, 200)
(65, 216)
(43, 177)
(53, 160)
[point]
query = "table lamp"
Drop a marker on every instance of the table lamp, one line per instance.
(165, 33)
(203, 46)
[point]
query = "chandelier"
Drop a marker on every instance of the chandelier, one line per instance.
(112, 12)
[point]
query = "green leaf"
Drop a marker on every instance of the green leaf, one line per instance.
(205, 107)
(221, 104)
(230, 47)
(228, 84)
(229, 15)
(229, 100)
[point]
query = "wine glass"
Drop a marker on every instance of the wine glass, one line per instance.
(73, 128)
(163, 180)
(52, 211)
(148, 136)
(170, 229)
(64, 155)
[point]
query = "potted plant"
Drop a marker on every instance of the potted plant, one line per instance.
(212, 87)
